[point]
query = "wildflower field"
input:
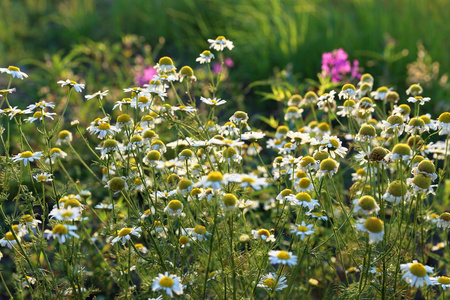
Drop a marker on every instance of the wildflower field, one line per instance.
(168, 183)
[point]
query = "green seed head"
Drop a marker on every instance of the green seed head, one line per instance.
(175, 205)
(414, 141)
(282, 129)
(109, 143)
(184, 184)
(395, 120)
(444, 117)
(310, 96)
(415, 89)
(374, 225)
(295, 99)
(173, 179)
(422, 181)
(153, 155)
(406, 110)
(186, 153)
(378, 153)
(187, 71)
(324, 126)
(136, 139)
(229, 200)
(62, 135)
(167, 61)
(348, 86)
(117, 184)
(328, 164)
(368, 130)
(149, 134)
(321, 155)
(402, 149)
(215, 176)
(397, 188)
(392, 97)
(426, 166)
(367, 203)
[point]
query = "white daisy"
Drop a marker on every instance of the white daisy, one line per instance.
(213, 101)
(272, 282)
(205, 57)
(375, 228)
(282, 257)
(168, 283)
(263, 234)
(14, 72)
(303, 230)
(220, 43)
(77, 86)
(98, 95)
(62, 232)
(125, 234)
(416, 274)
(27, 156)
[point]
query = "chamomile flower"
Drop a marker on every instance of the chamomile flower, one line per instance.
(61, 232)
(380, 93)
(39, 115)
(205, 57)
(327, 166)
(400, 152)
(263, 234)
(77, 86)
(303, 230)
(248, 180)
(14, 72)
(103, 129)
(168, 283)
(125, 234)
(64, 136)
(443, 220)
(65, 213)
(282, 257)
(41, 105)
(220, 43)
(117, 184)
(366, 204)
(421, 184)
(98, 95)
(214, 180)
(271, 281)
(443, 124)
(304, 200)
(316, 215)
(425, 167)
(8, 240)
(326, 101)
(442, 281)
(416, 274)
(333, 145)
(43, 177)
(213, 101)
(27, 222)
(186, 72)
(124, 101)
(375, 228)
(347, 108)
(174, 208)
(419, 99)
(348, 91)
(28, 281)
(293, 113)
(396, 192)
(416, 126)
(26, 157)
(394, 125)
(198, 233)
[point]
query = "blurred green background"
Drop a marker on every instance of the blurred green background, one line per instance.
(102, 42)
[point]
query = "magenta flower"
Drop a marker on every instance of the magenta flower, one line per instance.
(146, 76)
(337, 65)
(228, 62)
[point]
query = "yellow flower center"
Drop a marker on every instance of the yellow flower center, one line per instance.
(9, 236)
(12, 68)
(26, 219)
(304, 197)
(67, 214)
(367, 203)
(220, 38)
(229, 200)
(286, 192)
(124, 232)
(374, 225)
(302, 228)
(37, 114)
(264, 232)
(26, 154)
(73, 82)
(214, 176)
(417, 269)
(104, 126)
(248, 180)
(443, 280)
(283, 255)
(175, 205)
(60, 229)
(72, 203)
(270, 283)
(445, 216)
(199, 229)
(183, 240)
(304, 183)
(166, 282)
(143, 99)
